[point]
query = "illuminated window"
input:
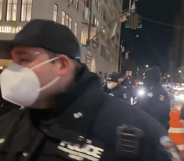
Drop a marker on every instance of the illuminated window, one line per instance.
(96, 23)
(70, 23)
(67, 20)
(11, 14)
(98, 5)
(71, 1)
(63, 17)
(1, 9)
(77, 4)
(83, 38)
(55, 12)
(26, 10)
(76, 27)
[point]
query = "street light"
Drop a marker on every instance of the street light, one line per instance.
(168, 75)
(147, 66)
(179, 71)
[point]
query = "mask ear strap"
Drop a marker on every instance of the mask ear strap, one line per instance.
(49, 84)
(45, 62)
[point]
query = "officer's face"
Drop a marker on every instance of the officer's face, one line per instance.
(120, 80)
(111, 84)
(31, 56)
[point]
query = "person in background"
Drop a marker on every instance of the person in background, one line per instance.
(156, 101)
(121, 79)
(114, 88)
(66, 116)
(104, 87)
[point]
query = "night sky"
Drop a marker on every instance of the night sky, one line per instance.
(155, 40)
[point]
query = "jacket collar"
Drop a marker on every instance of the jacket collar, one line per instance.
(80, 114)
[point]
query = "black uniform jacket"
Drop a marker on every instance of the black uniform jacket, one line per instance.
(156, 101)
(82, 126)
(119, 91)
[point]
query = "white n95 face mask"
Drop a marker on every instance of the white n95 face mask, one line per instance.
(21, 86)
(109, 85)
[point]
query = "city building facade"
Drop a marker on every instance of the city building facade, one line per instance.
(14, 14)
(105, 56)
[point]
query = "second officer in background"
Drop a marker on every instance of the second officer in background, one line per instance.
(114, 88)
(156, 100)
(121, 79)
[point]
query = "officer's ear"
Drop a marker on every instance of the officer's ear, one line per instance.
(64, 65)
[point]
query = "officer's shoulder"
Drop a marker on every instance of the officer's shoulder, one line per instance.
(161, 95)
(11, 117)
(124, 87)
(115, 112)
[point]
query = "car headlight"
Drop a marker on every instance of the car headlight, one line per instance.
(181, 97)
(141, 92)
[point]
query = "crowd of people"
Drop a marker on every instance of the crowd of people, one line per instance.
(154, 101)
(58, 110)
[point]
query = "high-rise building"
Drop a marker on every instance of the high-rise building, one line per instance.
(105, 57)
(14, 14)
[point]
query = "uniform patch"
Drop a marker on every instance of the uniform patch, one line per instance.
(161, 98)
(144, 75)
(124, 96)
(78, 152)
(111, 94)
(171, 148)
(133, 101)
(150, 94)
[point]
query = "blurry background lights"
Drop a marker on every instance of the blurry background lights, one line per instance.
(147, 66)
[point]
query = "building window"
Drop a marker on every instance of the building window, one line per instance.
(96, 23)
(66, 20)
(1, 9)
(76, 27)
(63, 17)
(77, 4)
(26, 10)
(83, 38)
(95, 2)
(70, 23)
(55, 12)
(98, 5)
(11, 14)
(102, 51)
(71, 1)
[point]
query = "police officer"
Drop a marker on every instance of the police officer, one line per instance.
(128, 89)
(114, 88)
(121, 79)
(104, 87)
(156, 100)
(66, 116)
